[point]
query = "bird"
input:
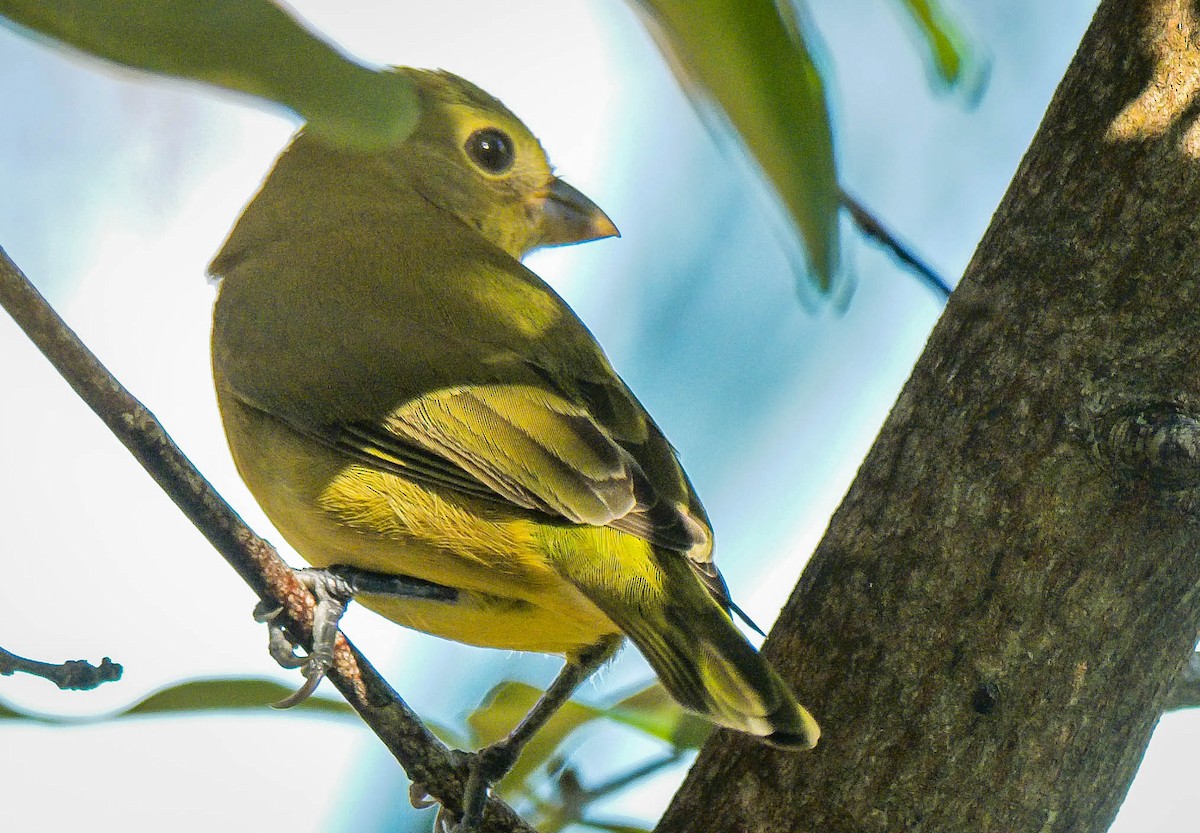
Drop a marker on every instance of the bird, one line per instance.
(406, 400)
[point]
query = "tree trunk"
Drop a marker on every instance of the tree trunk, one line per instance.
(989, 629)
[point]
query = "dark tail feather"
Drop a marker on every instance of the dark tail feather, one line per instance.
(707, 665)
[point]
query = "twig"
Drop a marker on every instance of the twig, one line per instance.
(873, 228)
(620, 782)
(441, 772)
(572, 799)
(73, 675)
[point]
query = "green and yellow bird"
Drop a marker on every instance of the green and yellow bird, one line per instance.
(404, 397)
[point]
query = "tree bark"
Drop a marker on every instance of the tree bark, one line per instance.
(990, 628)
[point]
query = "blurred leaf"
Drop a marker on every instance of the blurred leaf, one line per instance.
(251, 46)
(230, 695)
(7, 713)
(750, 59)
(651, 711)
(197, 696)
(451, 737)
(503, 709)
(613, 827)
(654, 712)
(949, 49)
(944, 40)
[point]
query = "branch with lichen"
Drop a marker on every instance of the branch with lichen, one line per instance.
(72, 675)
(438, 770)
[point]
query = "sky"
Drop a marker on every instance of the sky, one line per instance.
(117, 191)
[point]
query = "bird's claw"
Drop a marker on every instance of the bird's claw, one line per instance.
(490, 764)
(445, 821)
(266, 611)
(313, 674)
(282, 649)
(486, 767)
(279, 645)
(332, 593)
(419, 797)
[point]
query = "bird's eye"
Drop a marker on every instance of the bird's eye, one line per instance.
(491, 149)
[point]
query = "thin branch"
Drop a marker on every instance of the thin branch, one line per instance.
(571, 800)
(73, 675)
(873, 228)
(620, 782)
(441, 772)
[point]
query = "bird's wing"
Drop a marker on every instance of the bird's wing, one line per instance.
(528, 446)
(469, 374)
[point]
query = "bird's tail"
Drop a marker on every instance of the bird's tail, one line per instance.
(706, 664)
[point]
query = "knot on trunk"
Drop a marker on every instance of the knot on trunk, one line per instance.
(1154, 444)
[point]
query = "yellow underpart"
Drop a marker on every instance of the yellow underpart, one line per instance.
(376, 503)
(518, 577)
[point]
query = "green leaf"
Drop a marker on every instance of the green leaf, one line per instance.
(750, 59)
(200, 696)
(616, 827)
(949, 50)
(250, 46)
(654, 712)
(226, 695)
(451, 737)
(651, 711)
(503, 709)
(9, 713)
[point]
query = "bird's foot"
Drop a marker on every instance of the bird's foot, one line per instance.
(334, 588)
(485, 768)
(490, 764)
(279, 645)
(333, 593)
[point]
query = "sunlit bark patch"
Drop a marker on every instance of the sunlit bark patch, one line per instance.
(1171, 36)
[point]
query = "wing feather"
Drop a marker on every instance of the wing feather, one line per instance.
(526, 446)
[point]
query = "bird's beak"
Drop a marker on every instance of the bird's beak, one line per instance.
(570, 217)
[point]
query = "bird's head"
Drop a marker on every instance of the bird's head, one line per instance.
(471, 156)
